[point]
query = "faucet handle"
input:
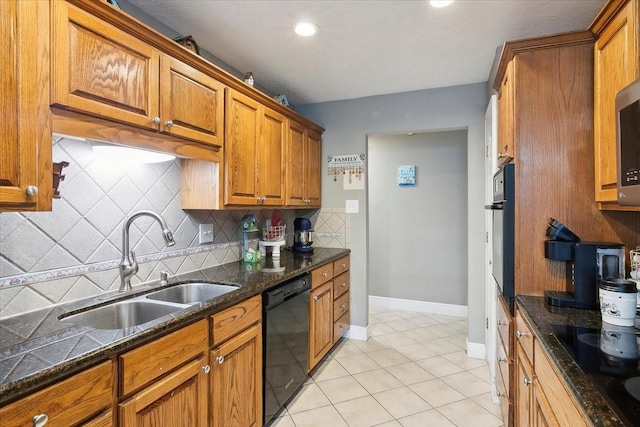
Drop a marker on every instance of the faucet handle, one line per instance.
(164, 276)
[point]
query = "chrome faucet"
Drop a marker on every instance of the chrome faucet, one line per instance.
(129, 265)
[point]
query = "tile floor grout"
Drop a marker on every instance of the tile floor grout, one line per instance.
(413, 371)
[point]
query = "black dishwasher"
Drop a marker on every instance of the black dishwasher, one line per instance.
(286, 343)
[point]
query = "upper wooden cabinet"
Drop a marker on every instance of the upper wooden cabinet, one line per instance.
(617, 64)
(506, 103)
(26, 181)
(304, 153)
(101, 70)
(254, 153)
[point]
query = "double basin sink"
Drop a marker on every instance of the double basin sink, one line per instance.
(145, 308)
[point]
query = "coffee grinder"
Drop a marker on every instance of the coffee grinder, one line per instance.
(586, 263)
(302, 236)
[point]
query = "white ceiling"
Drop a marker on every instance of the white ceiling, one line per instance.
(364, 47)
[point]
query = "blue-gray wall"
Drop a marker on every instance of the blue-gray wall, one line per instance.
(349, 122)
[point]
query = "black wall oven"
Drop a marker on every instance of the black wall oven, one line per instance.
(503, 239)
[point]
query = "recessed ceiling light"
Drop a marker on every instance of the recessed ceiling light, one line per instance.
(306, 29)
(440, 3)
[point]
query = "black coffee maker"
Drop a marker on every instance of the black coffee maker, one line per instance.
(586, 263)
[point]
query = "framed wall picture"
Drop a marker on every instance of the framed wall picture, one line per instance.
(406, 175)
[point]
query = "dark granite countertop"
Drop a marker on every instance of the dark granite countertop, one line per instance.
(542, 318)
(37, 349)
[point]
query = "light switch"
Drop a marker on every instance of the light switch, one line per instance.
(351, 206)
(205, 233)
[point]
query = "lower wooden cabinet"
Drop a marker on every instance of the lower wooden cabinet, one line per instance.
(524, 389)
(83, 399)
(320, 322)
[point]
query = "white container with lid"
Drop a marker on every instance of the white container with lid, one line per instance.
(618, 301)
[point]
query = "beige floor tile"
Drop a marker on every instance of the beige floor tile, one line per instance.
(468, 413)
(329, 370)
(419, 335)
(441, 331)
(377, 381)
(415, 351)
(436, 392)
(393, 423)
(482, 372)
(460, 340)
(408, 314)
(309, 397)
(344, 349)
(342, 389)
(442, 318)
(321, 417)
(386, 316)
(467, 384)
(461, 326)
(401, 402)
(396, 339)
(379, 329)
(363, 412)
(441, 346)
(284, 421)
(402, 325)
(372, 344)
(389, 357)
(439, 366)
(358, 363)
(486, 401)
(373, 309)
(423, 321)
(461, 359)
(409, 373)
(431, 418)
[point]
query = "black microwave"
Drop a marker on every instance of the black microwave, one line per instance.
(628, 144)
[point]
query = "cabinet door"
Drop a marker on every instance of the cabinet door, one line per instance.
(177, 400)
(242, 135)
(25, 135)
(271, 159)
(320, 322)
(524, 388)
(296, 138)
(615, 60)
(313, 179)
(236, 380)
(101, 70)
(542, 414)
(191, 103)
(506, 105)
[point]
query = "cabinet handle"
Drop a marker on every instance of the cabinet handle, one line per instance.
(526, 382)
(206, 369)
(220, 360)
(521, 334)
(31, 190)
(40, 420)
(169, 123)
(155, 120)
(317, 297)
(343, 307)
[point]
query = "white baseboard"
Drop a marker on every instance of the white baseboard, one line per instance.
(419, 306)
(359, 333)
(476, 350)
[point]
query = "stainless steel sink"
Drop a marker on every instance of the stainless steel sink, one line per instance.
(121, 315)
(189, 293)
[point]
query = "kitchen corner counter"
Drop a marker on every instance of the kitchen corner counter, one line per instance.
(543, 318)
(36, 349)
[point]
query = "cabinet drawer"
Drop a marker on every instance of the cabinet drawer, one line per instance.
(321, 275)
(340, 266)
(506, 407)
(505, 326)
(341, 326)
(505, 367)
(341, 305)
(151, 361)
(524, 336)
(235, 319)
(565, 408)
(65, 403)
(341, 284)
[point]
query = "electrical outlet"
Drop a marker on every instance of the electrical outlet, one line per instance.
(351, 206)
(205, 233)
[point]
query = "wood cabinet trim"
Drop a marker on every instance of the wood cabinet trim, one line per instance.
(605, 15)
(235, 319)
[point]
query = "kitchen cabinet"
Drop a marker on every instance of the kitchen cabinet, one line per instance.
(236, 357)
(26, 180)
(168, 378)
(537, 384)
(506, 103)
(304, 153)
(83, 399)
(101, 70)
(505, 362)
(616, 64)
(254, 153)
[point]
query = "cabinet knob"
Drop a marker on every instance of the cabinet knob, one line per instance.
(40, 420)
(520, 334)
(206, 369)
(169, 123)
(155, 120)
(526, 382)
(324, 274)
(501, 155)
(343, 285)
(500, 394)
(501, 359)
(343, 265)
(501, 322)
(31, 190)
(220, 360)
(343, 307)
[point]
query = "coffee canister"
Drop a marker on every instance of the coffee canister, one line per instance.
(618, 301)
